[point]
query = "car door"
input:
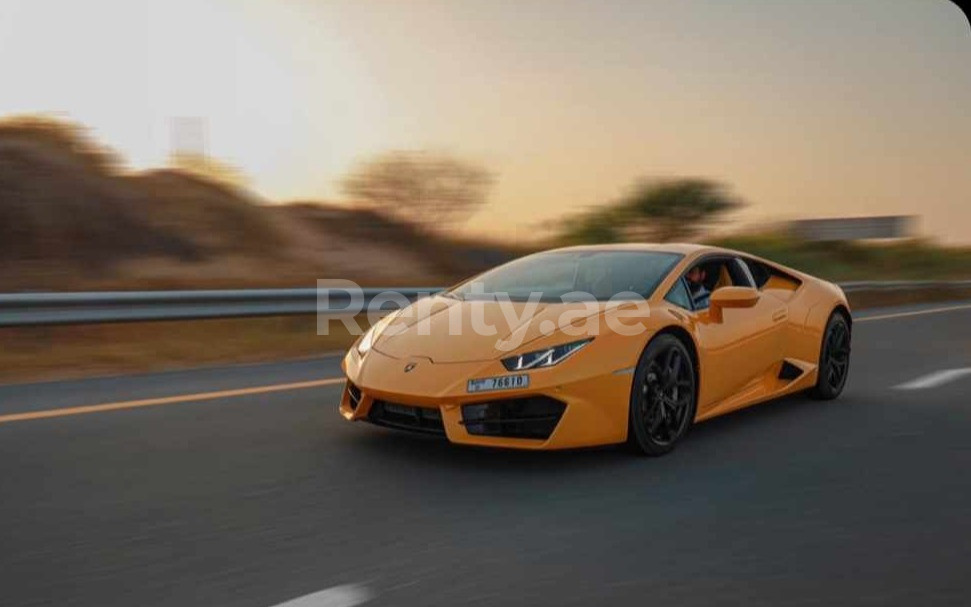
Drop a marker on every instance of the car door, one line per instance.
(741, 346)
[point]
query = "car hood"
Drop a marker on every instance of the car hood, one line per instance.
(444, 330)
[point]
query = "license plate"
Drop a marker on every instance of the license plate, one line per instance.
(506, 382)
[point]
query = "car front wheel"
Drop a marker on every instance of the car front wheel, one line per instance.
(663, 396)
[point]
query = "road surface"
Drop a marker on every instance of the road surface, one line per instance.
(248, 489)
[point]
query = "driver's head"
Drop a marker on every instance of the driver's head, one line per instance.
(696, 275)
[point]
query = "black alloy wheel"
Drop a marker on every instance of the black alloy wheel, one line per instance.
(834, 359)
(663, 396)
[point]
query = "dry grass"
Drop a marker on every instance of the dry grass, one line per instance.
(874, 299)
(73, 218)
(62, 352)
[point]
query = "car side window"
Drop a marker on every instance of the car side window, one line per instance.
(678, 295)
(711, 274)
(760, 272)
(741, 275)
(699, 281)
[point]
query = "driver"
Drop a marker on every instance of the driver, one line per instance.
(696, 285)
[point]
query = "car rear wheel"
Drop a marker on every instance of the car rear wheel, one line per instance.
(663, 396)
(834, 359)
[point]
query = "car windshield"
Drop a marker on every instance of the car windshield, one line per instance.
(572, 275)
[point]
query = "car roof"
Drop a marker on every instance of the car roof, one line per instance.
(667, 247)
(690, 251)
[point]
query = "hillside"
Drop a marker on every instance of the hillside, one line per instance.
(72, 218)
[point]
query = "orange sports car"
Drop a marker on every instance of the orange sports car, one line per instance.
(597, 345)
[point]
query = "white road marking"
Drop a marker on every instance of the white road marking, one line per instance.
(935, 379)
(348, 595)
(913, 313)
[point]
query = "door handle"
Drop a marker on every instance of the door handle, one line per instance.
(779, 315)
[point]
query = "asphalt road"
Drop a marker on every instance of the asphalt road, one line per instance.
(256, 499)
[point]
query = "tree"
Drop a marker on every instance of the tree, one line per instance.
(419, 187)
(677, 209)
(598, 226)
(659, 211)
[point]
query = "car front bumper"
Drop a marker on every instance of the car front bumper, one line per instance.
(561, 408)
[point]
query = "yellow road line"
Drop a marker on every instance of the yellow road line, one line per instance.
(914, 313)
(167, 400)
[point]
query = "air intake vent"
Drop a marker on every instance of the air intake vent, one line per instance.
(354, 396)
(406, 417)
(789, 371)
(532, 417)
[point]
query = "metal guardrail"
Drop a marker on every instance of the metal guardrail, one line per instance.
(39, 309)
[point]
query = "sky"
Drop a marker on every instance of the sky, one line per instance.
(812, 108)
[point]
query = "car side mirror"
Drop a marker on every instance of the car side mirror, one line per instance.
(731, 297)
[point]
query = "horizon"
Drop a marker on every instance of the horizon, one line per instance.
(821, 110)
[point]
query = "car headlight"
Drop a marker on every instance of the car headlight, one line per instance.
(543, 358)
(366, 341)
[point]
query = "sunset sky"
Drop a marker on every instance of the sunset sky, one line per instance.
(808, 108)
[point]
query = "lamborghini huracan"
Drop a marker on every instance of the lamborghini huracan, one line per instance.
(597, 345)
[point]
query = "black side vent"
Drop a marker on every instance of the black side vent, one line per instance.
(789, 371)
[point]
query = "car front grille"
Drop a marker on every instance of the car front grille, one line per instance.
(406, 417)
(531, 417)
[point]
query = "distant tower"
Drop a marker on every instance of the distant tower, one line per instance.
(189, 140)
(190, 153)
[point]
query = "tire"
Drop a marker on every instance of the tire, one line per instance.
(664, 397)
(834, 358)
